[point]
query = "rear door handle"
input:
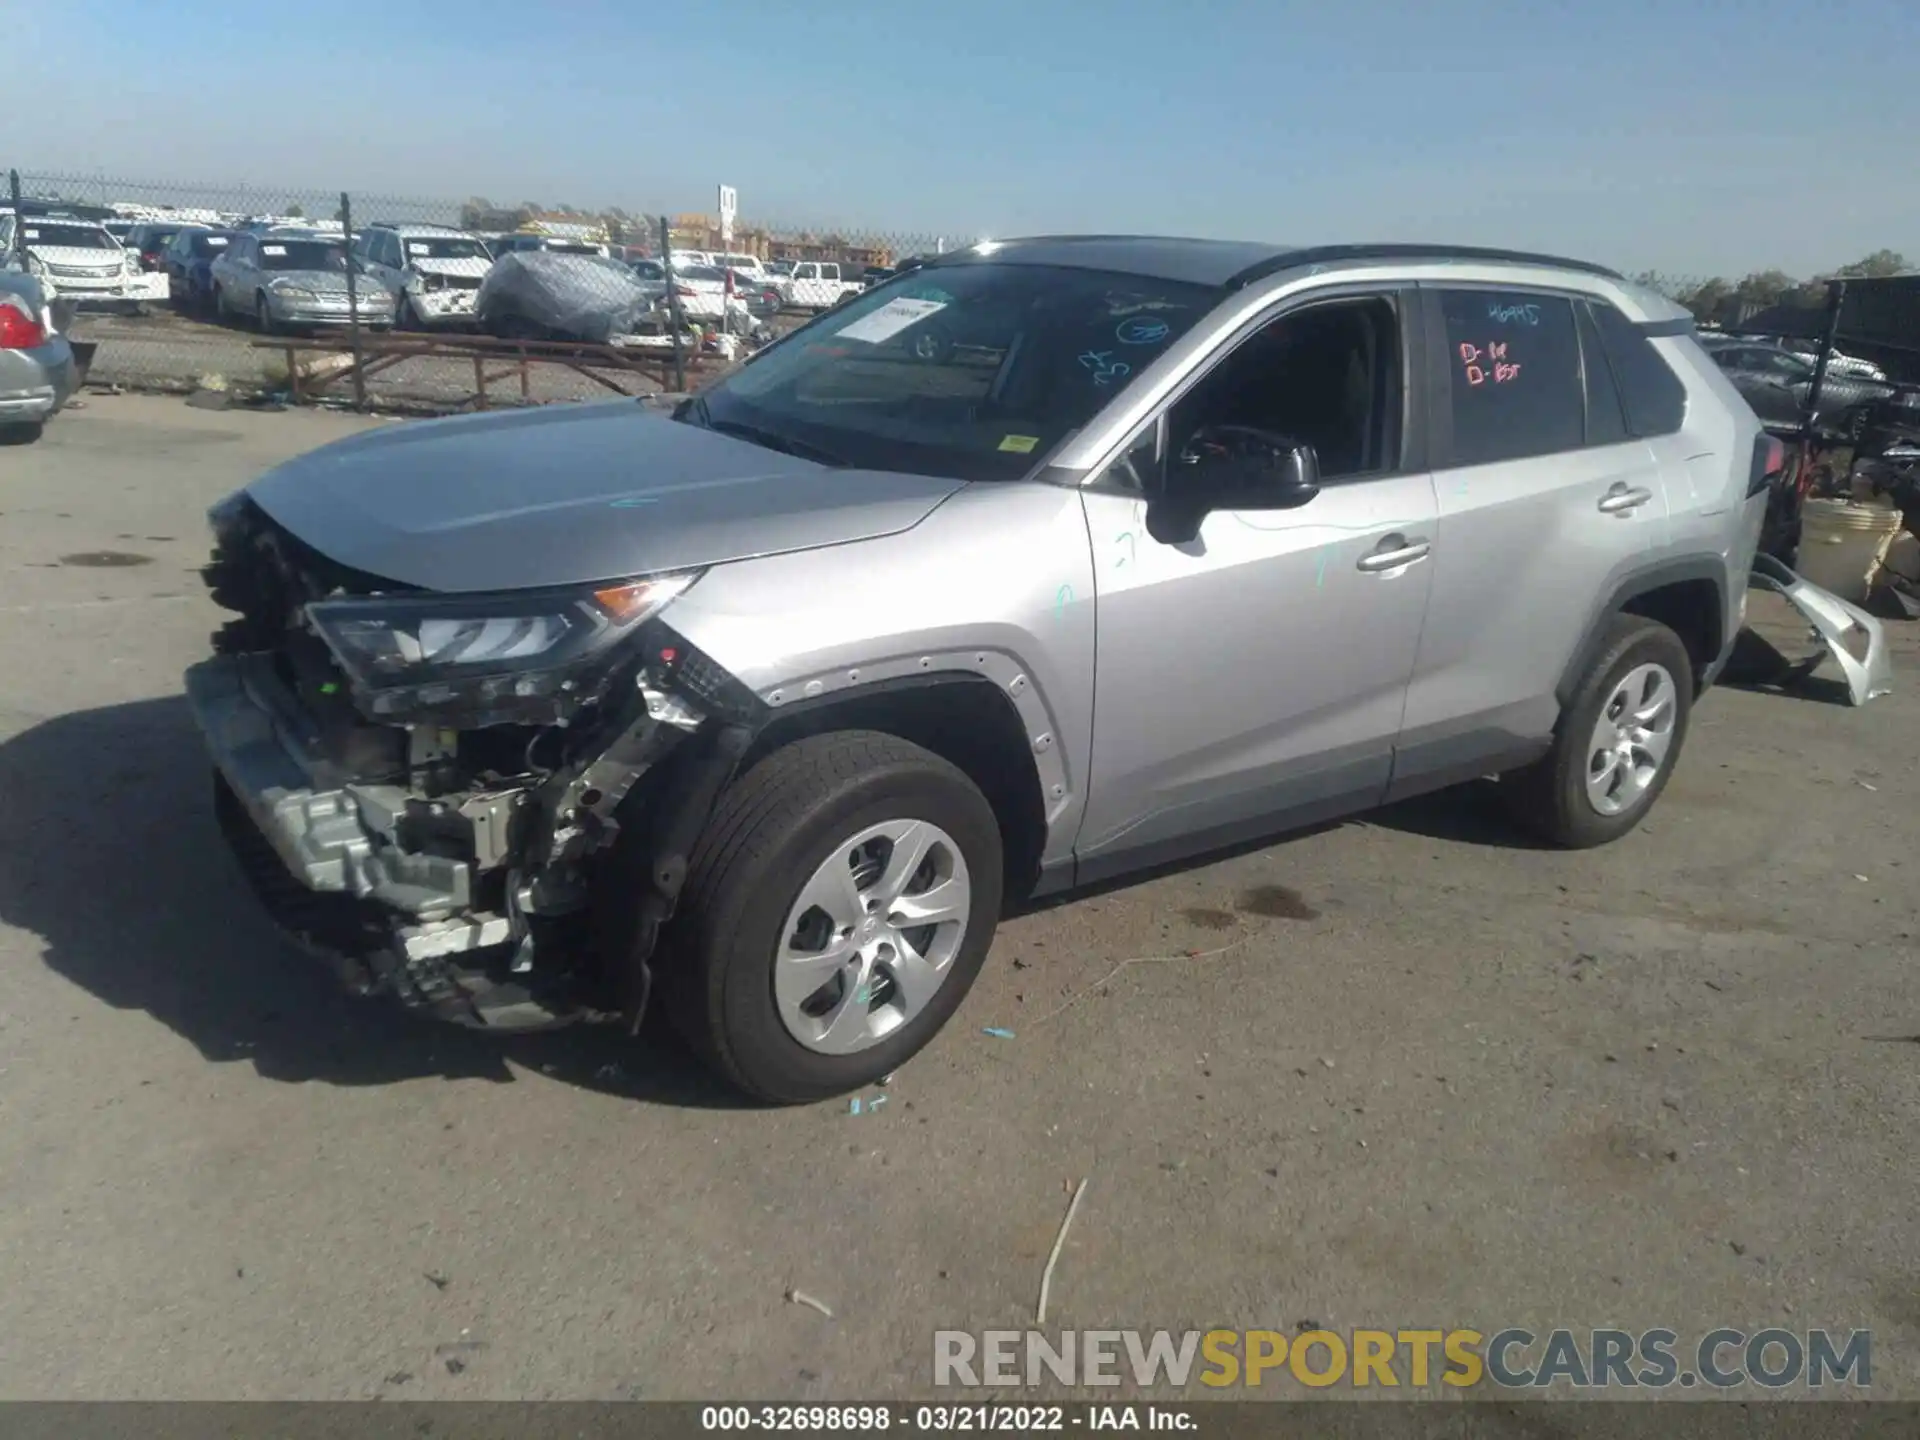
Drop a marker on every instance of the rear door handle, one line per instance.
(1393, 552)
(1623, 501)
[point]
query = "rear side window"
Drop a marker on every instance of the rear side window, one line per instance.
(1513, 367)
(1654, 398)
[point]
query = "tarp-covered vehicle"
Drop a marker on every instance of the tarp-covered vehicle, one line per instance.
(546, 295)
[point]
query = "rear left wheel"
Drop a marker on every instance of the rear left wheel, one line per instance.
(1617, 744)
(836, 913)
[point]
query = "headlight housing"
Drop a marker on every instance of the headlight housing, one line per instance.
(467, 661)
(292, 292)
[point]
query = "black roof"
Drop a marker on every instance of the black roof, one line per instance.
(1227, 263)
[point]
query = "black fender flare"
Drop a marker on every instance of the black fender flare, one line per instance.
(1641, 582)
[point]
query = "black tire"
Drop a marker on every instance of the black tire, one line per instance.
(22, 432)
(772, 827)
(263, 316)
(1549, 797)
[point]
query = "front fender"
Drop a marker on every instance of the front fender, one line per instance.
(996, 582)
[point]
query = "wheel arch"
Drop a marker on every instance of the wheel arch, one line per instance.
(967, 720)
(1688, 596)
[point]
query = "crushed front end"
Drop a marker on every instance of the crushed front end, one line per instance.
(427, 789)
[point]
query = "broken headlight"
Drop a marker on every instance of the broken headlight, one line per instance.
(525, 657)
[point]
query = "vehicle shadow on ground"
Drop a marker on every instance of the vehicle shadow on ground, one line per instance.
(111, 855)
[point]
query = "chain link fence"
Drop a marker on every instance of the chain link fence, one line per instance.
(323, 295)
(408, 302)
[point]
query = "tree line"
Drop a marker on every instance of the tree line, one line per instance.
(1729, 302)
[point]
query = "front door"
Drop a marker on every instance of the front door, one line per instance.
(1255, 676)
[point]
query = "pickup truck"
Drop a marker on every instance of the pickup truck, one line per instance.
(815, 285)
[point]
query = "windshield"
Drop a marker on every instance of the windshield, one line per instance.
(71, 237)
(572, 247)
(972, 371)
(445, 247)
(698, 272)
(303, 255)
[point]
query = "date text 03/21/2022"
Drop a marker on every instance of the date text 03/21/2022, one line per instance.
(943, 1419)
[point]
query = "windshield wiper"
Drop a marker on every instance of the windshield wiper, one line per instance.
(767, 439)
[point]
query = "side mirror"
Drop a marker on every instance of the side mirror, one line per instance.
(1231, 467)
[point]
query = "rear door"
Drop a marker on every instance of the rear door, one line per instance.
(1545, 501)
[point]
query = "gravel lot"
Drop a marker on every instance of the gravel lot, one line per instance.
(1435, 1078)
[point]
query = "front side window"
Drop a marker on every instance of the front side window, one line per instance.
(972, 370)
(1327, 376)
(1788, 367)
(1513, 367)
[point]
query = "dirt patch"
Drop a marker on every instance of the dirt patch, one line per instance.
(1276, 902)
(1207, 919)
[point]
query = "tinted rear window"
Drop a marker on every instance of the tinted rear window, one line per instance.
(1513, 362)
(1654, 398)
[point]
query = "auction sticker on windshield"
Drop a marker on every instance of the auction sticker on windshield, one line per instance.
(889, 320)
(273, 249)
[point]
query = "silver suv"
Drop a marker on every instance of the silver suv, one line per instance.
(1044, 563)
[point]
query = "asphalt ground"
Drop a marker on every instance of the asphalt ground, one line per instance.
(1400, 1072)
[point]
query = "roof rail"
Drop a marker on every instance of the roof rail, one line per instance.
(1335, 254)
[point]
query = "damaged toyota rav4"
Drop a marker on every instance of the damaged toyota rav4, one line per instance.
(1047, 562)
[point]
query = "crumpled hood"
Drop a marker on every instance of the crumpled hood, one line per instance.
(568, 495)
(469, 269)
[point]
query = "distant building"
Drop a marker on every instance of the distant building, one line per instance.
(847, 253)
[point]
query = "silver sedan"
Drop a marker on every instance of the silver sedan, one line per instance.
(283, 279)
(37, 370)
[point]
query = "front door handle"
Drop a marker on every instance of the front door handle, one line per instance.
(1621, 500)
(1393, 552)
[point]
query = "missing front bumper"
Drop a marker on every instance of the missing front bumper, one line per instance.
(324, 856)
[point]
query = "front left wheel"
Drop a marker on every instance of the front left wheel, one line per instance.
(835, 914)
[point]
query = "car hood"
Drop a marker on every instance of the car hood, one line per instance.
(330, 281)
(78, 256)
(470, 268)
(572, 495)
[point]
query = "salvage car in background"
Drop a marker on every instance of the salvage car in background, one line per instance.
(188, 265)
(434, 271)
(37, 370)
(294, 278)
(148, 242)
(1778, 384)
(816, 285)
(82, 261)
(518, 244)
(547, 295)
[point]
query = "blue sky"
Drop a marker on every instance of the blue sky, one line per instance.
(1690, 136)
